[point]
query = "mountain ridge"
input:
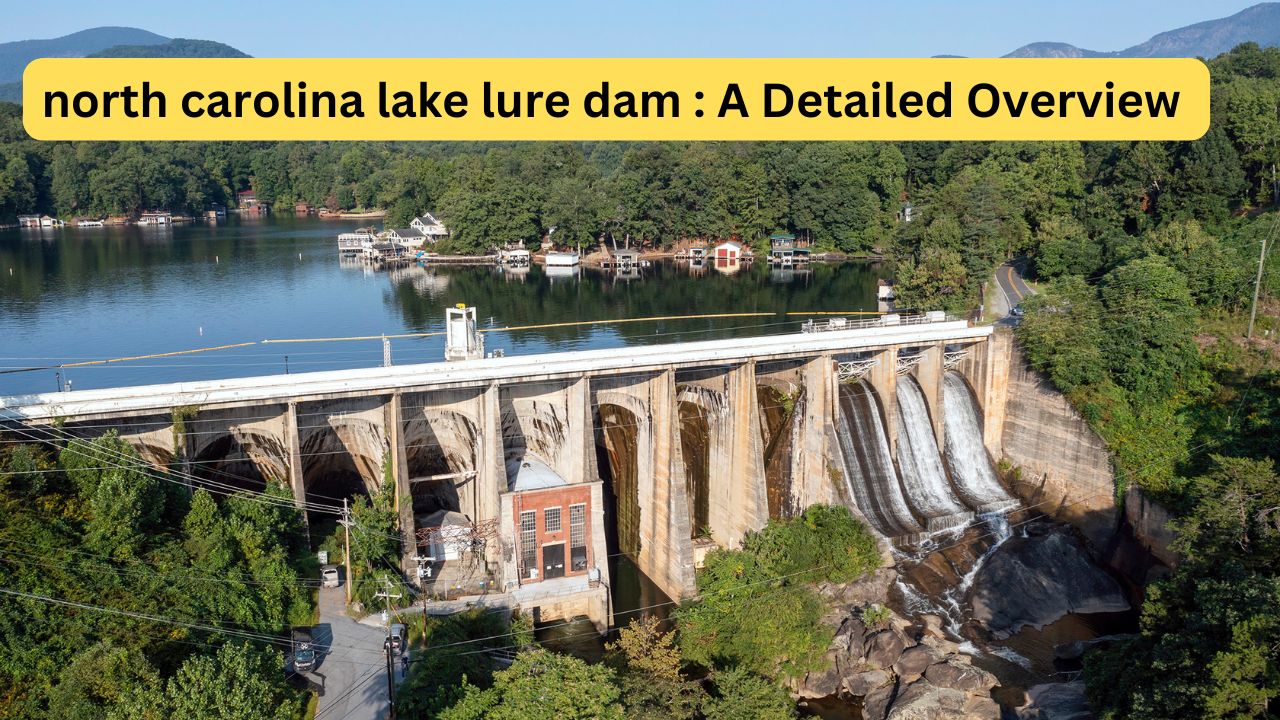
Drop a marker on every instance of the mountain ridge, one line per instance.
(90, 43)
(1207, 39)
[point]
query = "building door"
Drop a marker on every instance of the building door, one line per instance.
(553, 561)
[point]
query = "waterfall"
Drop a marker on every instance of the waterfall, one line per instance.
(868, 464)
(923, 476)
(967, 457)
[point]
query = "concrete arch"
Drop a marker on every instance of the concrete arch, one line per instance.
(442, 442)
(537, 425)
(621, 439)
(249, 459)
(343, 456)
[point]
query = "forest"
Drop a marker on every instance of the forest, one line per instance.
(1144, 255)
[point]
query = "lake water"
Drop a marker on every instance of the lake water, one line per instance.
(73, 295)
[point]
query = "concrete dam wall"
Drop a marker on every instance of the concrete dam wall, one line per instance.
(552, 463)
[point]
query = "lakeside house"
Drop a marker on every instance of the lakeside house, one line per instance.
(156, 217)
(303, 208)
(787, 249)
(357, 242)
(624, 259)
(410, 237)
(430, 227)
(28, 221)
(247, 202)
(47, 221)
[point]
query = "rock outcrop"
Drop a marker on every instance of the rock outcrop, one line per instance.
(1037, 579)
(902, 672)
(1056, 701)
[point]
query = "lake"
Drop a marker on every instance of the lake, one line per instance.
(72, 295)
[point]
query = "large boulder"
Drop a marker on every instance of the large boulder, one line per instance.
(1035, 580)
(861, 684)
(924, 701)
(875, 706)
(958, 675)
(884, 648)
(1056, 701)
(914, 660)
(824, 683)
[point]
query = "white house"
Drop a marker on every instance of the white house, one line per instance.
(430, 227)
(410, 237)
(29, 220)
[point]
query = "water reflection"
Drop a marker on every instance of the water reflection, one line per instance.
(76, 294)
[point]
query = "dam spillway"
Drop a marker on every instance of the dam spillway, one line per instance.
(870, 476)
(975, 478)
(924, 478)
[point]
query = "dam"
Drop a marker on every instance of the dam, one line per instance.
(539, 468)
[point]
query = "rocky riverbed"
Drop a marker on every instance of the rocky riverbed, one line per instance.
(987, 623)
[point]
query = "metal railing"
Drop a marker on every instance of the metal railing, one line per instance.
(840, 323)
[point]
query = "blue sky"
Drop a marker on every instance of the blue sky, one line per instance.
(657, 28)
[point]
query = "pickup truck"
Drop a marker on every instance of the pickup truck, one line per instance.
(304, 650)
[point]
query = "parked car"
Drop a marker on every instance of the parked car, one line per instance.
(304, 650)
(329, 576)
(395, 638)
(1017, 311)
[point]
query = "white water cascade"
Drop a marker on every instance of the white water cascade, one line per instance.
(868, 464)
(923, 476)
(967, 457)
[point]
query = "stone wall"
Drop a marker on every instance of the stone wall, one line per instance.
(1065, 469)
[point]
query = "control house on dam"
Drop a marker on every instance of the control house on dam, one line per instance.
(517, 478)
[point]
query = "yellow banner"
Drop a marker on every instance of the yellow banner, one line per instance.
(615, 99)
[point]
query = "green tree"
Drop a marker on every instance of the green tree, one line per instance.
(739, 694)
(937, 281)
(240, 682)
(542, 685)
(1065, 248)
(1147, 329)
(648, 666)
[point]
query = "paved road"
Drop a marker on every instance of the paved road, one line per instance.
(351, 675)
(1013, 288)
(1011, 282)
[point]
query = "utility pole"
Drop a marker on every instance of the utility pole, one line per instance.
(346, 528)
(1257, 283)
(391, 681)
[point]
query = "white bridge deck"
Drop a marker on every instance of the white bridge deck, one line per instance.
(269, 389)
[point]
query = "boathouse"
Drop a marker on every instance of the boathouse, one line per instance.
(156, 217)
(624, 259)
(28, 221)
(728, 250)
(787, 249)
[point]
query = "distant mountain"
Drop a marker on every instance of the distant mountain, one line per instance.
(176, 48)
(1260, 24)
(14, 56)
(141, 44)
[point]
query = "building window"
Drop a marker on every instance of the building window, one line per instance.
(529, 543)
(578, 537)
(551, 520)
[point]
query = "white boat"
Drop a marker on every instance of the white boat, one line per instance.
(89, 223)
(562, 259)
